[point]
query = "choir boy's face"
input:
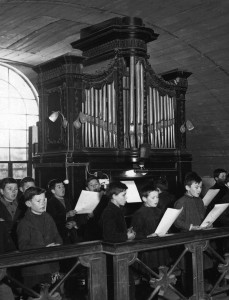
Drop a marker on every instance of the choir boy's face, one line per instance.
(152, 199)
(37, 204)
(94, 186)
(10, 192)
(221, 178)
(120, 199)
(59, 190)
(194, 189)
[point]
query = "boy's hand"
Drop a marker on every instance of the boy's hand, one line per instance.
(71, 224)
(91, 215)
(152, 235)
(53, 245)
(71, 213)
(194, 227)
(131, 233)
(208, 225)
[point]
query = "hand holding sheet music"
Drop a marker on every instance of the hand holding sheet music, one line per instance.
(214, 214)
(166, 222)
(87, 202)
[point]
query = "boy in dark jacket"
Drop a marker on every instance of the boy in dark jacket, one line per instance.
(6, 245)
(113, 220)
(115, 229)
(60, 208)
(36, 230)
(10, 210)
(144, 222)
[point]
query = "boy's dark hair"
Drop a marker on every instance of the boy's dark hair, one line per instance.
(147, 189)
(90, 179)
(52, 183)
(192, 177)
(218, 171)
(7, 180)
(115, 187)
(33, 191)
(25, 180)
(162, 184)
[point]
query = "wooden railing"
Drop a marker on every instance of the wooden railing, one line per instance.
(93, 256)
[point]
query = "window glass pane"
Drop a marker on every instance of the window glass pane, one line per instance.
(4, 154)
(32, 120)
(3, 170)
(19, 170)
(4, 121)
(19, 83)
(17, 106)
(18, 154)
(17, 121)
(4, 140)
(18, 111)
(13, 92)
(3, 89)
(31, 107)
(18, 138)
(4, 73)
(3, 106)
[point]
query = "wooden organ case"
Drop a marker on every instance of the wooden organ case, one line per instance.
(120, 115)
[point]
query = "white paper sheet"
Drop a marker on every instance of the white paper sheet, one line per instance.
(210, 195)
(167, 220)
(87, 202)
(132, 192)
(217, 210)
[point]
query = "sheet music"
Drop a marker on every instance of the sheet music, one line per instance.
(210, 195)
(132, 192)
(87, 202)
(217, 210)
(167, 220)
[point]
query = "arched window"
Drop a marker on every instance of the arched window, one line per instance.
(18, 111)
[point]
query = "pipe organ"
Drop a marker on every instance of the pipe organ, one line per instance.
(125, 106)
(148, 114)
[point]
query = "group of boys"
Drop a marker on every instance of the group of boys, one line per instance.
(54, 223)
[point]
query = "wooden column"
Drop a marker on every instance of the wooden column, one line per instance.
(97, 276)
(121, 265)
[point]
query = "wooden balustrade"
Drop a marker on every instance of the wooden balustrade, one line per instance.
(93, 256)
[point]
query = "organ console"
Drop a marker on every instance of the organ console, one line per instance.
(126, 106)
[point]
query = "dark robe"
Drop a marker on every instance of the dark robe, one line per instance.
(217, 199)
(93, 229)
(165, 200)
(6, 242)
(58, 212)
(11, 221)
(144, 222)
(113, 224)
(193, 212)
(115, 231)
(37, 231)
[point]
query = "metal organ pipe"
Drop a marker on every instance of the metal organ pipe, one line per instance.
(114, 121)
(104, 116)
(142, 102)
(132, 108)
(101, 144)
(96, 137)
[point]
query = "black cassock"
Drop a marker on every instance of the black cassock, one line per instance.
(144, 222)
